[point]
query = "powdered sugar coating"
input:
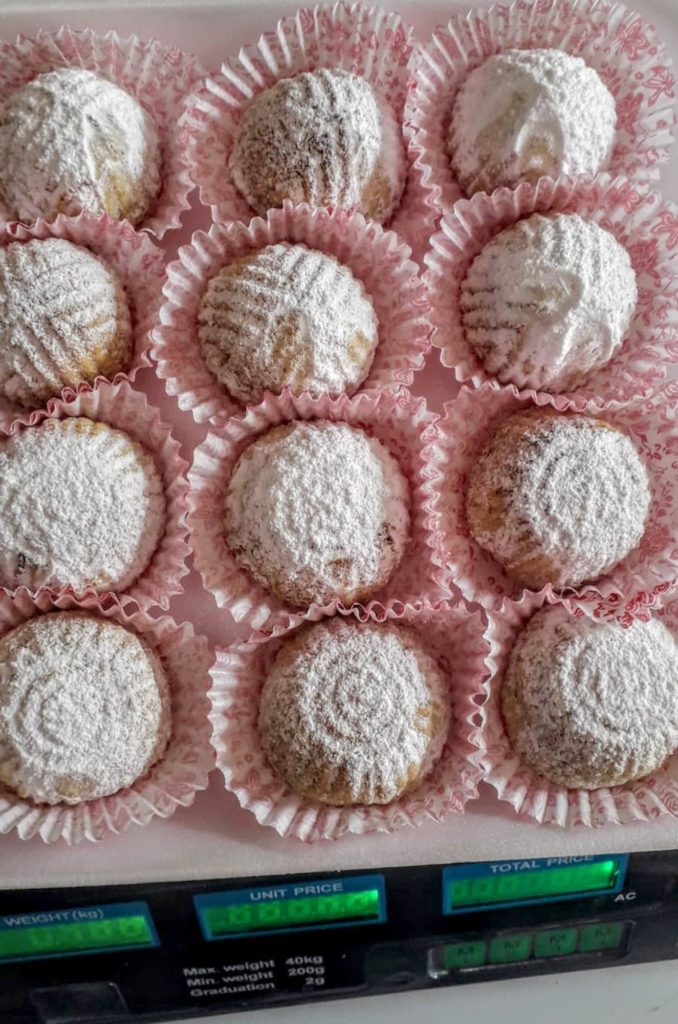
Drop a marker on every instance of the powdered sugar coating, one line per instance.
(81, 505)
(524, 114)
(73, 141)
(84, 708)
(557, 498)
(353, 713)
(589, 703)
(287, 315)
(324, 138)
(64, 320)
(548, 300)
(318, 511)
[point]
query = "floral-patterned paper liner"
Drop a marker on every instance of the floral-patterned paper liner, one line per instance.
(376, 257)
(180, 773)
(137, 261)
(620, 44)
(644, 223)
(366, 41)
(121, 407)
(399, 420)
(534, 797)
(453, 634)
(469, 422)
(160, 77)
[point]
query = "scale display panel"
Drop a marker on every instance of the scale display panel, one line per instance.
(491, 885)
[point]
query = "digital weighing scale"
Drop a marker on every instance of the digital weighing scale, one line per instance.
(209, 913)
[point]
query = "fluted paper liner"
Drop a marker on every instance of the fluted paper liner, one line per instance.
(174, 780)
(534, 797)
(641, 221)
(159, 77)
(453, 634)
(637, 582)
(366, 41)
(137, 261)
(127, 410)
(620, 44)
(375, 256)
(399, 421)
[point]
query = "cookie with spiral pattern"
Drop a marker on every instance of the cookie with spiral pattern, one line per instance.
(83, 505)
(588, 703)
(287, 316)
(71, 141)
(322, 137)
(354, 713)
(85, 708)
(64, 320)
(558, 498)
(317, 512)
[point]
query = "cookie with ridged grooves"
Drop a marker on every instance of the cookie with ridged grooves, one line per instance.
(317, 511)
(588, 703)
(85, 708)
(558, 498)
(287, 315)
(353, 714)
(64, 320)
(81, 505)
(525, 114)
(548, 300)
(324, 138)
(72, 141)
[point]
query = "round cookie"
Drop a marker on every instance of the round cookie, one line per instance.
(71, 141)
(64, 320)
(324, 138)
(525, 114)
(287, 315)
(548, 300)
(353, 714)
(84, 708)
(316, 512)
(558, 498)
(589, 703)
(83, 505)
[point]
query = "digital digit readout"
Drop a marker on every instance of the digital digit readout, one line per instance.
(245, 917)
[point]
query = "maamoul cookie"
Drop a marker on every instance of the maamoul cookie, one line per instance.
(548, 300)
(588, 703)
(558, 498)
(84, 708)
(72, 141)
(64, 320)
(287, 315)
(324, 138)
(81, 504)
(317, 511)
(523, 114)
(353, 714)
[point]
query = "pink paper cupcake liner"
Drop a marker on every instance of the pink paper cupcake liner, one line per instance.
(138, 263)
(618, 43)
(376, 257)
(644, 575)
(534, 797)
(366, 41)
(175, 779)
(127, 410)
(644, 223)
(159, 77)
(453, 634)
(399, 421)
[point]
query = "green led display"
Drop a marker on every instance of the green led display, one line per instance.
(292, 913)
(48, 940)
(529, 885)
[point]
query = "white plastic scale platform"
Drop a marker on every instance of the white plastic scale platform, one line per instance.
(195, 903)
